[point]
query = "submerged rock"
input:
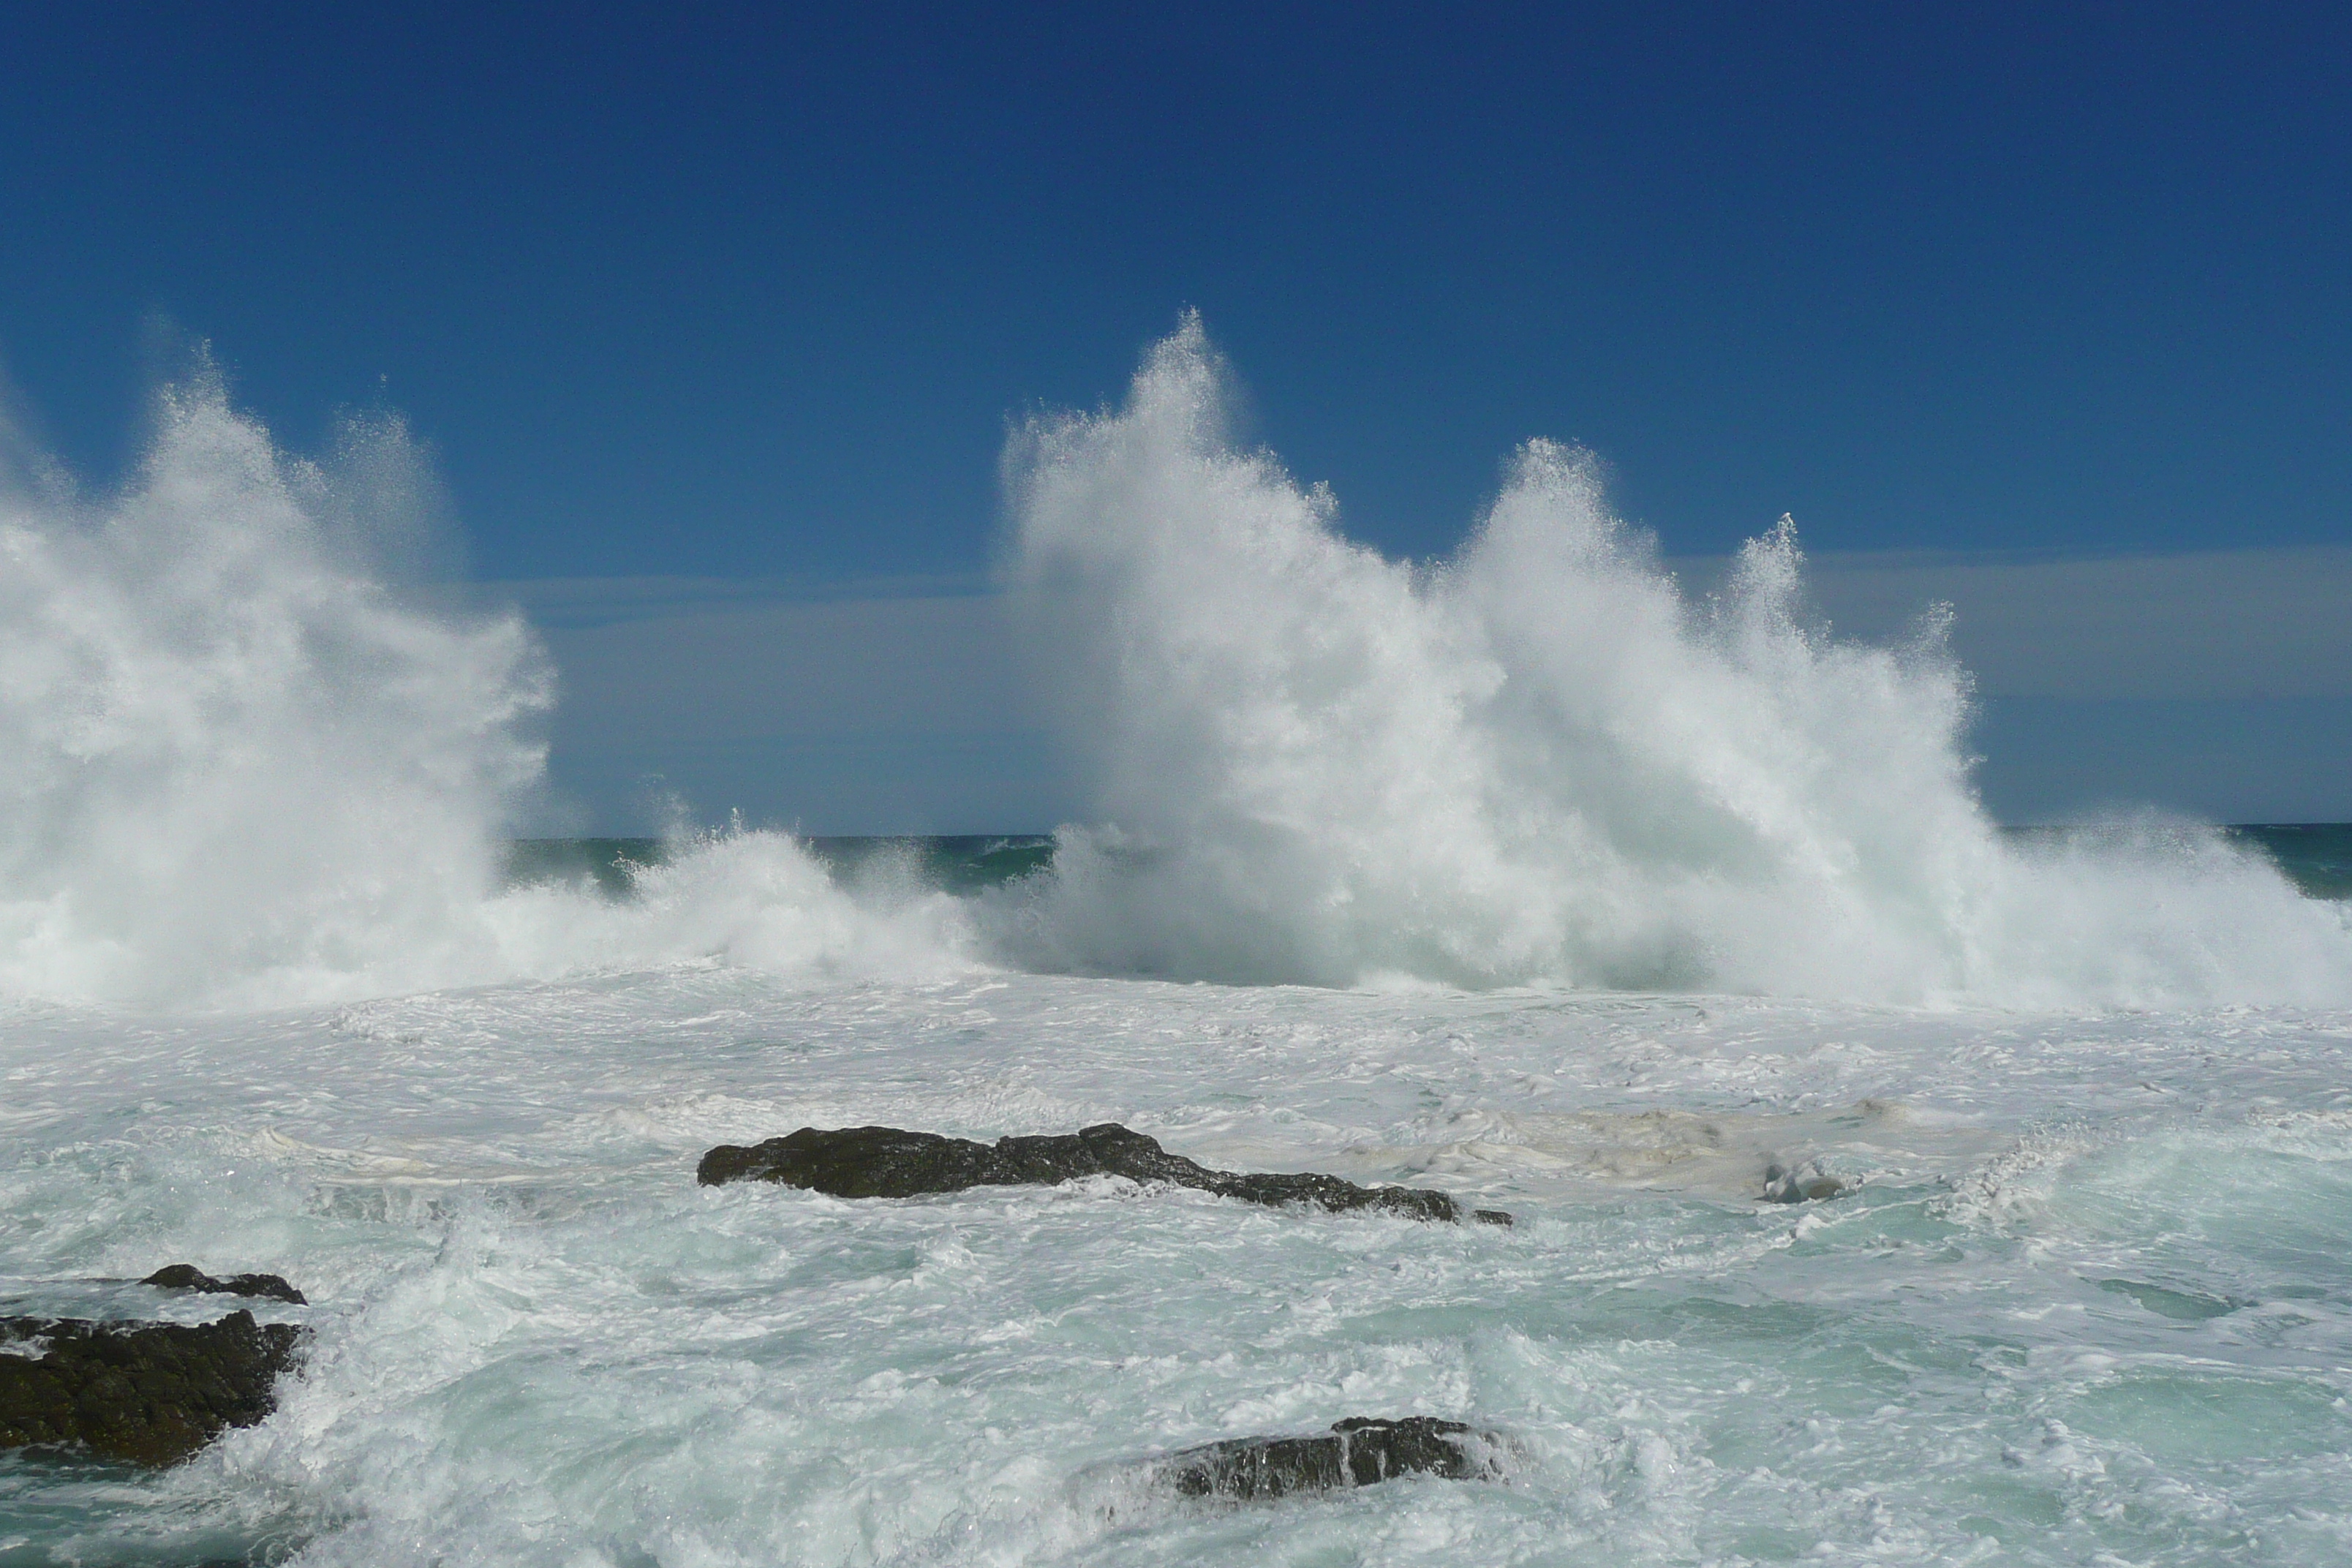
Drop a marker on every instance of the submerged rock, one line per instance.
(261, 1287)
(1360, 1451)
(1807, 1183)
(2182, 1306)
(889, 1162)
(152, 1393)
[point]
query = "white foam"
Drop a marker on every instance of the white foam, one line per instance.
(240, 766)
(539, 1341)
(233, 765)
(1540, 760)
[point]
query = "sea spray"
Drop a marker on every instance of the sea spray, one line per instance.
(235, 765)
(241, 766)
(1540, 762)
(740, 896)
(2082, 1304)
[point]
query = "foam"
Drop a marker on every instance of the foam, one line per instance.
(540, 1341)
(1540, 760)
(242, 765)
(233, 764)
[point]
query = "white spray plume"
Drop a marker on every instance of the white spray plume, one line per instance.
(239, 767)
(228, 755)
(1540, 762)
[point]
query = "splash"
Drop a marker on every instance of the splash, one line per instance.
(229, 754)
(240, 766)
(1540, 761)
(739, 895)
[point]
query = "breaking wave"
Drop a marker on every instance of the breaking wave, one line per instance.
(1541, 761)
(241, 765)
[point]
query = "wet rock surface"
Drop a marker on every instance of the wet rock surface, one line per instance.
(1360, 1451)
(152, 1393)
(891, 1162)
(1804, 1185)
(260, 1287)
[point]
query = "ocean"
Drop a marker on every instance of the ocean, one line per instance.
(1525, 876)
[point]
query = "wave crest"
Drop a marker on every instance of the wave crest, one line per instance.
(1540, 760)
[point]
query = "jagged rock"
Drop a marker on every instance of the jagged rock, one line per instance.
(1807, 1183)
(889, 1162)
(262, 1287)
(152, 1393)
(1358, 1452)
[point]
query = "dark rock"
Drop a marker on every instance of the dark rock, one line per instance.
(889, 1163)
(1358, 1452)
(152, 1393)
(262, 1287)
(1806, 1183)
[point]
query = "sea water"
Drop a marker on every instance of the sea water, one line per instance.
(1524, 877)
(2090, 1297)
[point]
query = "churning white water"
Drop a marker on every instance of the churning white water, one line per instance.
(1612, 901)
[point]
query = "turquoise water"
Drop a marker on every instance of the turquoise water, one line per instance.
(2086, 1302)
(1534, 878)
(2317, 854)
(2090, 1304)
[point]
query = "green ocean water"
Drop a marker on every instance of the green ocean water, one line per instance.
(2316, 856)
(957, 863)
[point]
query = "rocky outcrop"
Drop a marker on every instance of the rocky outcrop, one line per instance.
(152, 1393)
(260, 1287)
(1806, 1183)
(889, 1162)
(1360, 1451)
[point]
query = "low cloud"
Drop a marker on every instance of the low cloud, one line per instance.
(2260, 623)
(649, 660)
(894, 705)
(901, 704)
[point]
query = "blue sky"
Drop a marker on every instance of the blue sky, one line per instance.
(742, 299)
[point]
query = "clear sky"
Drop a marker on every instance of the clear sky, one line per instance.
(741, 294)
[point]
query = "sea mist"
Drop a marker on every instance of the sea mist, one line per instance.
(1540, 761)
